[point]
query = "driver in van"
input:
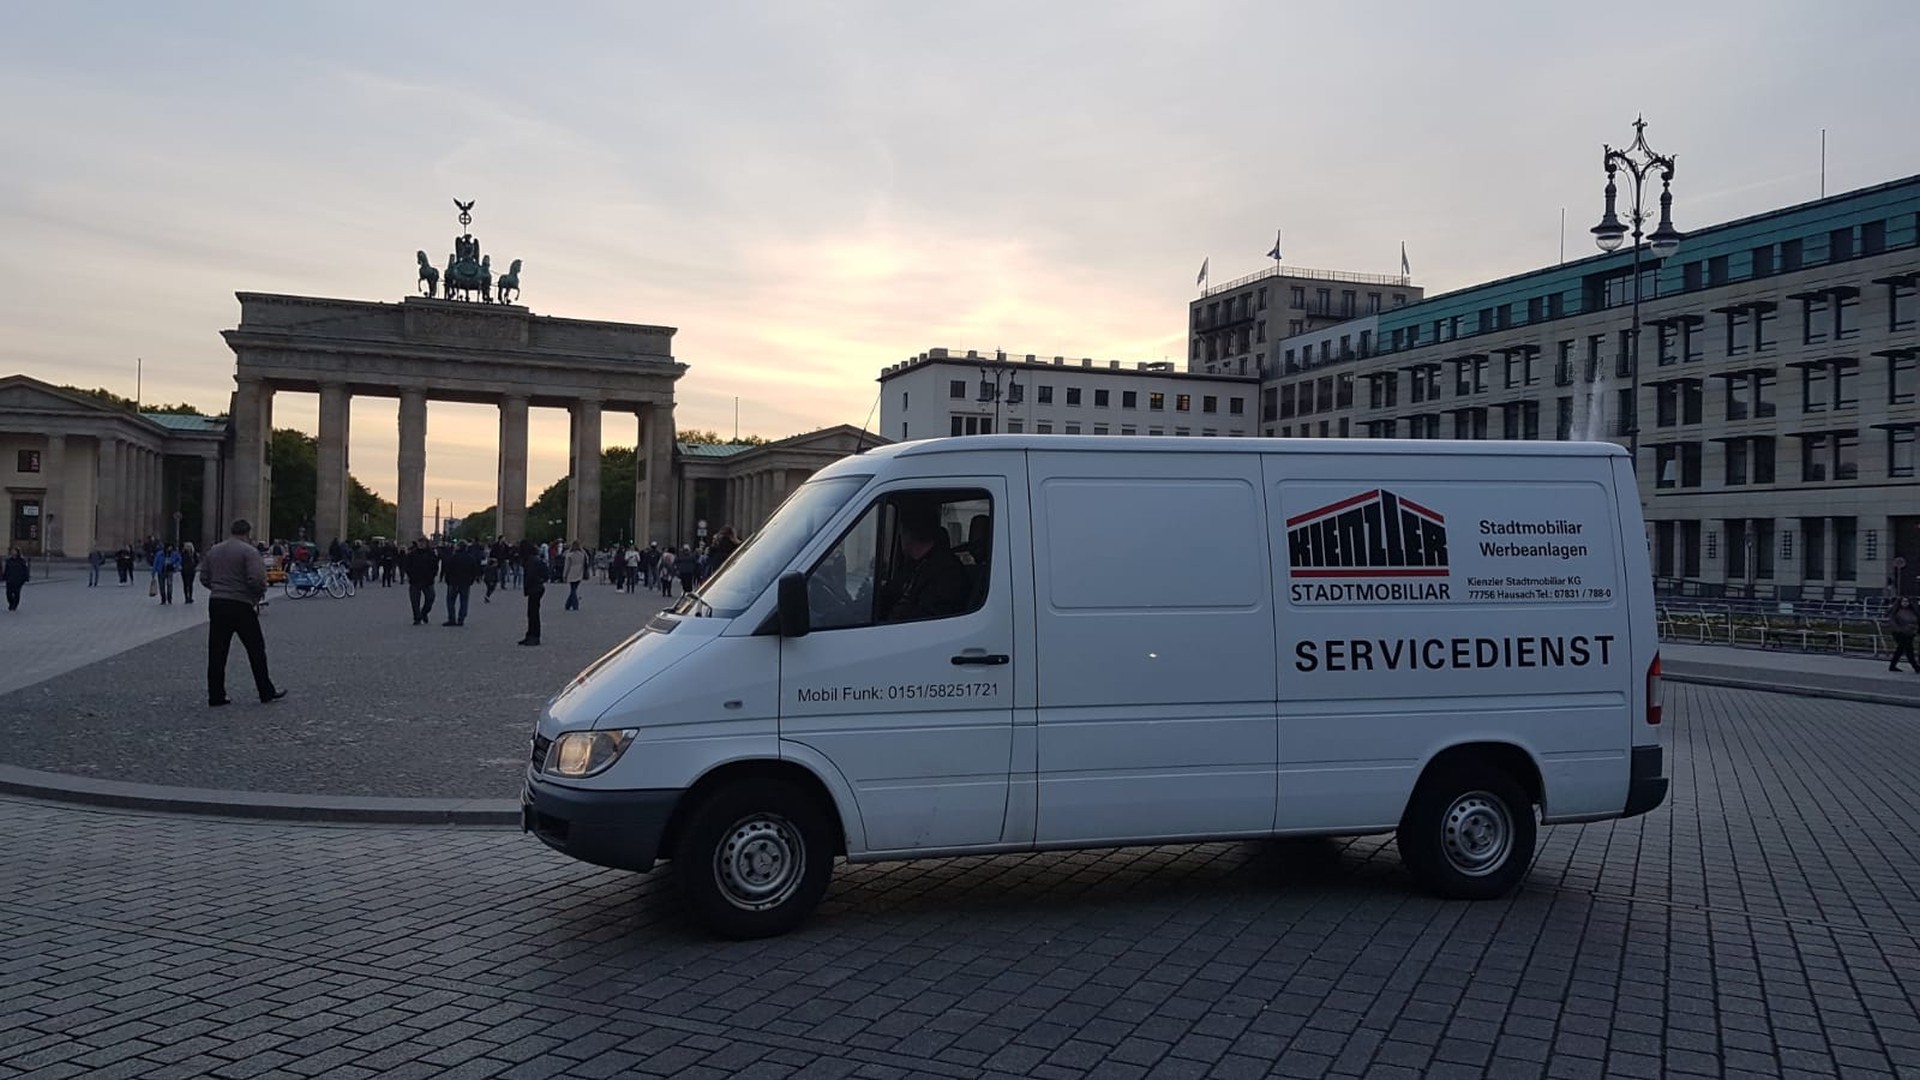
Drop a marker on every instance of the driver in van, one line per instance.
(932, 583)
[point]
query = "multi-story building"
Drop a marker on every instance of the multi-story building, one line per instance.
(1778, 392)
(941, 392)
(1232, 328)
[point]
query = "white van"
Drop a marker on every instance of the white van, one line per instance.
(1012, 643)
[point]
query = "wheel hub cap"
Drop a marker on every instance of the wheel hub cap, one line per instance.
(760, 863)
(1478, 834)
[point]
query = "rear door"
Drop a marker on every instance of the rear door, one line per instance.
(913, 701)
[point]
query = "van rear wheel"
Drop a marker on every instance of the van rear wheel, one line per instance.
(754, 859)
(1468, 832)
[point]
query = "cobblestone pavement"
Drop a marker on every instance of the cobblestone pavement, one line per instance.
(375, 705)
(1765, 922)
(62, 625)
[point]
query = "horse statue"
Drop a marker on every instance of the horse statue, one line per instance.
(468, 272)
(486, 278)
(509, 289)
(429, 277)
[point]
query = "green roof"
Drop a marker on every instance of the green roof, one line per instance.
(711, 450)
(212, 425)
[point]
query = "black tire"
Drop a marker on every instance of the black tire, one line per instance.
(1468, 832)
(754, 858)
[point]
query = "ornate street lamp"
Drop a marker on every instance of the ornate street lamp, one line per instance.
(1640, 162)
(992, 389)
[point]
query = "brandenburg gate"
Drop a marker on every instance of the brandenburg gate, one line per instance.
(463, 344)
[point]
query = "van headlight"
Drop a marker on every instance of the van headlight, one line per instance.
(584, 753)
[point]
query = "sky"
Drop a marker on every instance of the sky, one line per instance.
(810, 191)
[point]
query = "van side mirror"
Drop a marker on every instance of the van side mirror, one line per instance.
(795, 611)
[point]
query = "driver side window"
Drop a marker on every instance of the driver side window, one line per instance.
(912, 556)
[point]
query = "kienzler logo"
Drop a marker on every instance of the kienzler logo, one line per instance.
(1374, 546)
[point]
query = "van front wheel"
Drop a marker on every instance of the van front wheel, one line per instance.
(1468, 833)
(754, 859)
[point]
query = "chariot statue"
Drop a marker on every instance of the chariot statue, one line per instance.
(468, 273)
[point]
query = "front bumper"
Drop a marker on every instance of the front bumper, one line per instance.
(1646, 788)
(619, 829)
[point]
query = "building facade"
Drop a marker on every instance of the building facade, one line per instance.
(80, 474)
(1778, 391)
(942, 392)
(1232, 329)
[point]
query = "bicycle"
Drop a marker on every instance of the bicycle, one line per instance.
(304, 581)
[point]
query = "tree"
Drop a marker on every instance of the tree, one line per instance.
(180, 409)
(709, 437)
(105, 397)
(294, 456)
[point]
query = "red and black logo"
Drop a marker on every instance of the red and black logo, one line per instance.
(1376, 534)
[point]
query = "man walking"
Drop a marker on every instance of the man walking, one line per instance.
(235, 577)
(17, 574)
(534, 576)
(421, 567)
(462, 567)
(1903, 620)
(94, 561)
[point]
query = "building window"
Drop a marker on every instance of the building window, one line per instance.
(1016, 427)
(1845, 325)
(1236, 406)
(1845, 530)
(1156, 401)
(1898, 292)
(1260, 332)
(1736, 458)
(1183, 402)
(1763, 261)
(1813, 388)
(960, 425)
(1737, 323)
(955, 389)
(1129, 429)
(1073, 429)
(27, 461)
(1763, 313)
(1046, 395)
(1830, 456)
(1270, 404)
(1373, 303)
(1100, 399)
(1846, 376)
(1182, 431)
(1100, 429)
(1262, 302)
(1902, 368)
(1073, 395)
(1840, 244)
(1813, 319)
(1297, 296)
(1900, 452)
(1295, 326)
(1813, 549)
(1210, 404)
(1129, 399)
(1043, 428)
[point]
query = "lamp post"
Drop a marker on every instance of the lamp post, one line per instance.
(1640, 162)
(990, 390)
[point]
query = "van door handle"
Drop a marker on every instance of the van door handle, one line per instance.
(982, 658)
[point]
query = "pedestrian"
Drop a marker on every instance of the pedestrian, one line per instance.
(123, 564)
(17, 573)
(725, 543)
(459, 571)
(663, 572)
(189, 563)
(166, 563)
(490, 577)
(95, 561)
(687, 565)
(636, 569)
(575, 568)
(153, 572)
(534, 574)
(1903, 620)
(235, 576)
(421, 567)
(357, 564)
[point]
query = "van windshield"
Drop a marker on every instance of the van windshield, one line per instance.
(758, 561)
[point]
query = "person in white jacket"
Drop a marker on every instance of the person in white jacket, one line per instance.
(576, 572)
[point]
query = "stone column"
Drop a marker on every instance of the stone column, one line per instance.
(136, 469)
(410, 506)
(583, 490)
(106, 496)
(123, 519)
(330, 465)
(263, 525)
(53, 505)
(643, 477)
(210, 531)
(662, 493)
(510, 515)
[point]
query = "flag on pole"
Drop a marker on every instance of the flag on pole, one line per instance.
(1405, 270)
(1275, 253)
(1202, 279)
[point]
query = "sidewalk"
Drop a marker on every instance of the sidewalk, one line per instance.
(1847, 678)
(62, 625)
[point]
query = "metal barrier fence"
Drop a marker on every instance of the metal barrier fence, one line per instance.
(1841, 627)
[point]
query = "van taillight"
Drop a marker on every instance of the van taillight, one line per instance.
(1653, 690)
